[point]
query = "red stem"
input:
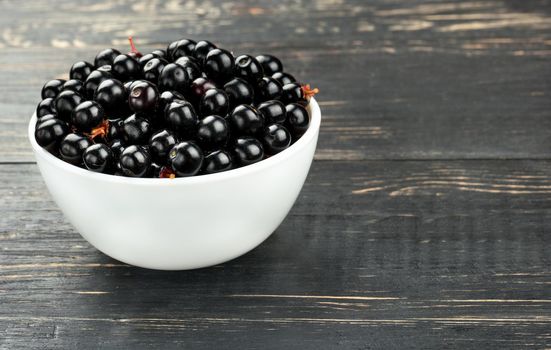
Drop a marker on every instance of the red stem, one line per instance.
(132, 46)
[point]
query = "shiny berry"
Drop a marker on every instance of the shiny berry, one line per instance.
(143, 97)
(112, 96)
(292, 93)
(174, 77)
(217, 161)
(95, 78)
(275, 139)
(166, 98)
(247, 150)
(114, 130)
(270, 64)
(146, 58)
(268, 89)
(298, 119)
(135, 161)
(65, 103)
(248, 68)
(152, 70)
(45, 118)
(106, 57)
(117, 146)
(99, 158)
(136, 130)
(186, 159)
(74, 85)
(202, 48)
(200, 86)
(191, 67)
(126, 68)
(160, 53)
(219, 65)
(160, 144)
(245, 120)
(81, 70)
(46, 106)
(52, 88)
(239, 91)
(72, 147)
(273, 111)
(49, 133)
(284, 78)
(212, 132)
(87, 115)
(179, 48)
(181, 118)
(214, 101)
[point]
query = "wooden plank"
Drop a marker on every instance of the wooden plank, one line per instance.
(446, 254)
(398, 79)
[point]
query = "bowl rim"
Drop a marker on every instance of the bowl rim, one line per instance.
(307, 137)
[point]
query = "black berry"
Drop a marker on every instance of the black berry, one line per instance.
(297, 119)
(247, 150)
(72, 147)
(87, 115)
(202, 48)
(190, 65)
(126, 68)
(174, 77)
(276, 138)
(136, 130)
(181, 118)
(180, 48)
(212, 132)
(152, 70)
(135, 161)
(65, 103)
(217, 161)
(52, 88)
(74, 85)
(219, 65)
(99, 158)
(239, 91)
(284, 78)
(186, 159)
(46, 106)
(248, 68)
(273, 111)
(49, 133)
(143, 97)
(95, 78)
(81, 70)
(112, 96)
(245, 120)
(214, 101)
(160, 144)
(106, 57)
(270, 64)
(268, 89)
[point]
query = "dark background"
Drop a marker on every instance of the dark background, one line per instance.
(424, 223)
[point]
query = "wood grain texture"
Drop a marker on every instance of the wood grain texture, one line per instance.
(424, 222)
(441, 254)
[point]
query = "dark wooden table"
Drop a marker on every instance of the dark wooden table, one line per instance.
(425, 221)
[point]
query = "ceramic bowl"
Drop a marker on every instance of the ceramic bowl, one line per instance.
(182, 223)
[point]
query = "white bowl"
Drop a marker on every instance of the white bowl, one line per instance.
(182, 223)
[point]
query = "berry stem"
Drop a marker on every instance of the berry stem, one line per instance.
(132, 46)
(308, 91)
(100, 130)
(167, 173)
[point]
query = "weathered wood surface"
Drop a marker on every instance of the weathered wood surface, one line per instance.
(424, 222)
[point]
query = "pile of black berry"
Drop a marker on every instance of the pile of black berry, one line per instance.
(188, 110)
